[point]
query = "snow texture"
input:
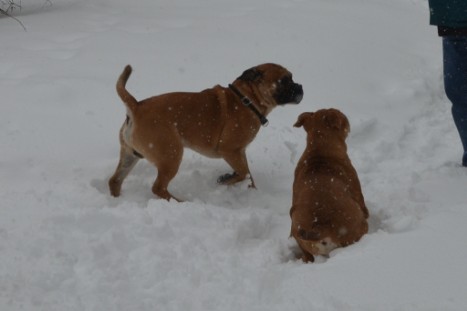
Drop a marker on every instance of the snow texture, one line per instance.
(66, 244)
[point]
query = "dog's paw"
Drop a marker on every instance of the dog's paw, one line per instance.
(224, 179)
(307, 258)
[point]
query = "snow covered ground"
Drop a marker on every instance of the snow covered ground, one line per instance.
(66, 244)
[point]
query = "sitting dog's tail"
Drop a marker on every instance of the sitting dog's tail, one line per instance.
(126, 97)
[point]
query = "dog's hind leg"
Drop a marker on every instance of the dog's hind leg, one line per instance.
(164, 176)
(128, 160)
(237, 160)
(167, 160)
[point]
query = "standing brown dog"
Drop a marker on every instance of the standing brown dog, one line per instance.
(218, 122)
(328, 209)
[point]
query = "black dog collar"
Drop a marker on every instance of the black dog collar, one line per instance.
(249, 103)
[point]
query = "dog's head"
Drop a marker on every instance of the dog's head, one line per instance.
(324, 120)
(272, 84)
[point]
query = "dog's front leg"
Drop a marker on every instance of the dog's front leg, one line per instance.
(237, 160)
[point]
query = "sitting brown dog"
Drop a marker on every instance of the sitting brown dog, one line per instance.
(328, 209)
(218, 122)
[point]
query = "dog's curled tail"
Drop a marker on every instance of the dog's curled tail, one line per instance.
(126, 97)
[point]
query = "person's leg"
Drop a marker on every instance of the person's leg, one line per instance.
(455, 83)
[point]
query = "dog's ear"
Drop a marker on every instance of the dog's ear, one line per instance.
(251, 75)
(337, 120)
(303, 118)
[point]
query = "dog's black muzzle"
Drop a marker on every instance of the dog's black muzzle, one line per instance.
(297, 93)
(293, 94)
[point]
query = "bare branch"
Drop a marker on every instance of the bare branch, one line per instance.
(5, 12)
